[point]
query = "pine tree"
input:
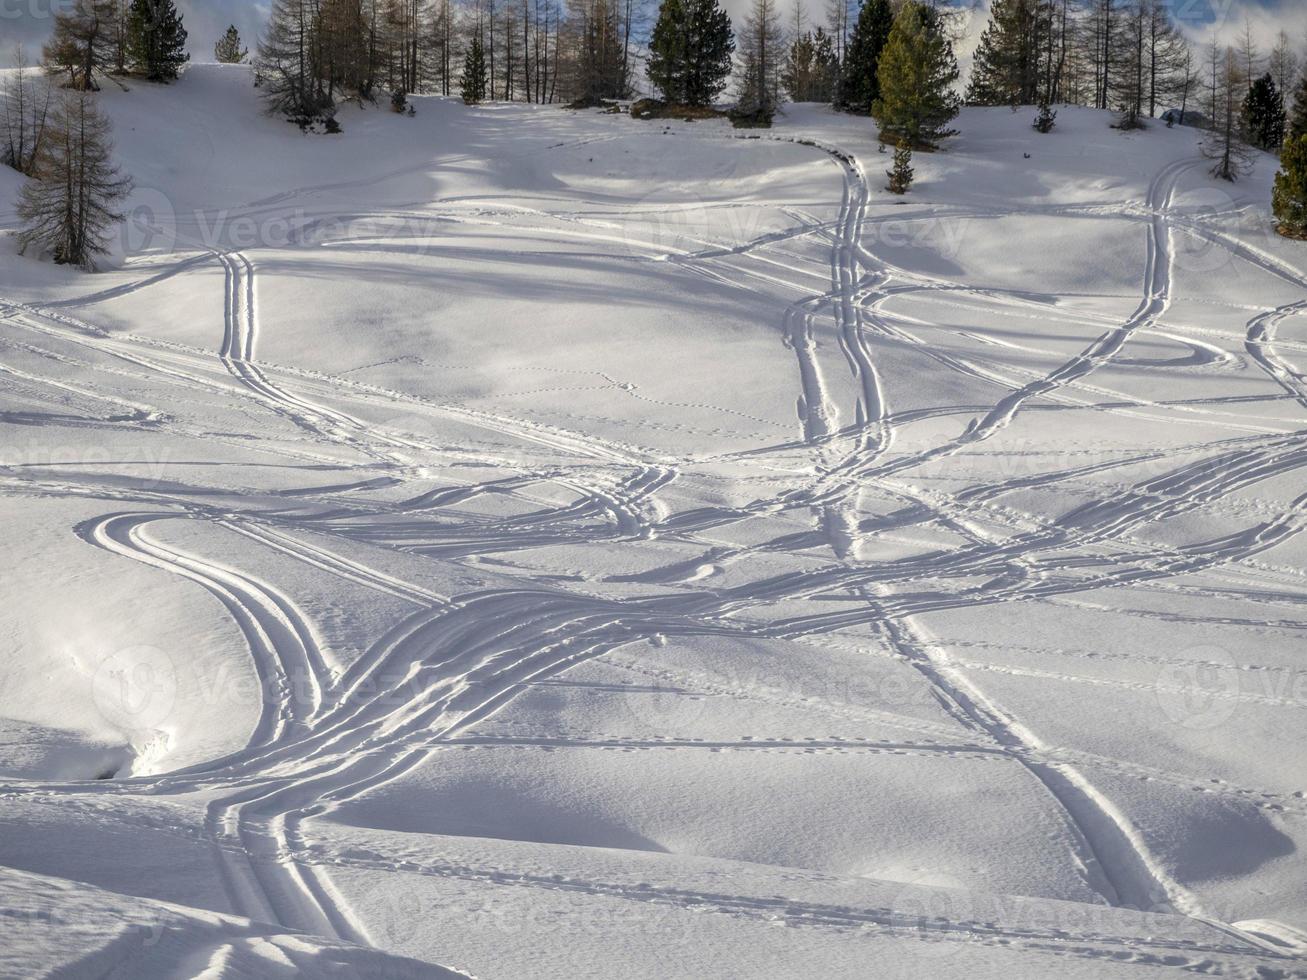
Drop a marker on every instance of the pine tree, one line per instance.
(690, 51)
(859, 79)
(1214, 62)
(1067, 60)
(1289, 201)
(1008, 66)
(156, 39)
(917, 72)
(810, 71)
(753, 107)
(229, 50)
(68, 212)
(1224, 142)
(1263, 114)
(83, 43)
(1046, 120)
(900, 175)
(472, 86)
(1298, 118)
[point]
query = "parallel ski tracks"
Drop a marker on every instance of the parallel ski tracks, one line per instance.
(327, 733)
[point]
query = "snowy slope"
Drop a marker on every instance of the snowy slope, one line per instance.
(58, 928)
(549, 544)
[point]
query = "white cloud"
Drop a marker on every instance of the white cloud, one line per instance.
(1266, 21)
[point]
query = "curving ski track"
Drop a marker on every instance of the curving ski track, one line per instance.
(327, 733)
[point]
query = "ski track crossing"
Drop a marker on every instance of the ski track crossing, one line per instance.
(329, 732)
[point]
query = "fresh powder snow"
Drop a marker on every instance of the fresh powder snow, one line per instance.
(512, 541)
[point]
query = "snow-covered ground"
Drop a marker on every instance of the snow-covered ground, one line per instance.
(547, 544)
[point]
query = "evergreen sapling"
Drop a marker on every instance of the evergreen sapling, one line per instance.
(1046, 120)
(473, 83)
(900, 174)
(228, 50)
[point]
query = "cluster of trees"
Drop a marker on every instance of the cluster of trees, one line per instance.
(95, 38)
(1129, 56)
(889, 59)
(812, 68)
(1243, 94)
(1125, 55)
(840, 62)
(61, 140)
(23, 117)
(859, 81)
(318, 52)
(90, 40)
(897, 63)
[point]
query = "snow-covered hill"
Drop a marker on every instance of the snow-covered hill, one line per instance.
(549, 544)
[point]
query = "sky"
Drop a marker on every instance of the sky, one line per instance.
(28, 21)
(1227, 17)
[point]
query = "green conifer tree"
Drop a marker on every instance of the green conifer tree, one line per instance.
(156, 39)
(1298, 117)
(859, 79)
(690, 51)
(917, 73)
(1007, 69)
(900, 175)
(1289, 201)
(229, 50)
(473, 83)
(1263, 114)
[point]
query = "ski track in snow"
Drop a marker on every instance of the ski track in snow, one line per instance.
(328, 732)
